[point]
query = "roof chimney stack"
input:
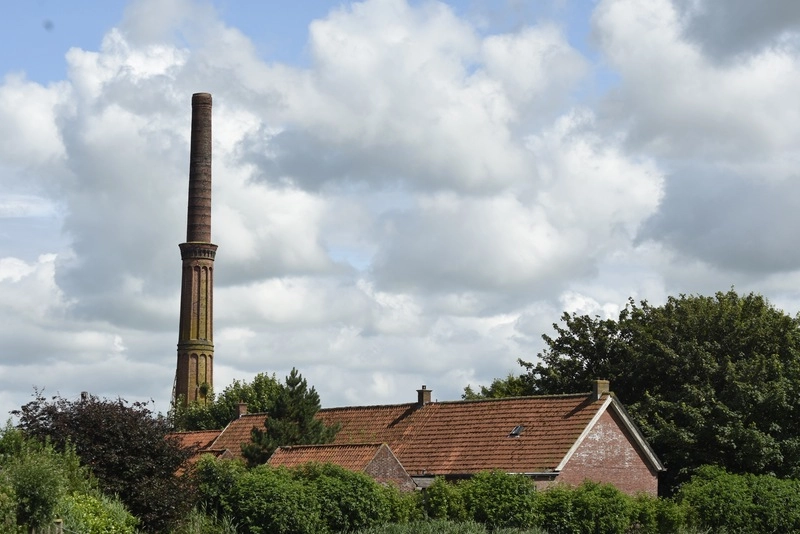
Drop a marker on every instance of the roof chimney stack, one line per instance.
(600, 388)
(242, 408)
(423, 396)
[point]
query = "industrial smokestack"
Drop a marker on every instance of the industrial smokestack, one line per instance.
(194, 375)
(198, 227)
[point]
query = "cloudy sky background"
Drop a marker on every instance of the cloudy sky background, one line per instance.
(405, 192)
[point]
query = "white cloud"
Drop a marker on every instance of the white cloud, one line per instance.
(415, 205)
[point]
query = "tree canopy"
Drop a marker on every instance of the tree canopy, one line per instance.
(219, 410)
(291, 421)
(709, 380)
(124, 445)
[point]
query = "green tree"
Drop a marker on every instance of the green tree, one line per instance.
(125, 446)
(709, 380)
(290, 422)
(219, 410)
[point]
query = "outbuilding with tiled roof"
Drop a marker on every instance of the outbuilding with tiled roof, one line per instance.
(375, 459)
(559, 438)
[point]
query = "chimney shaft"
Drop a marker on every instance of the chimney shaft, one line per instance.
(600, 388)
(198, 227)
(423, 396)
(242, 409)
(194, 375)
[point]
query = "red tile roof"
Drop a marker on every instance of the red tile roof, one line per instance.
(352, 457)
(460, 437)
(197, 438)
(238, 432)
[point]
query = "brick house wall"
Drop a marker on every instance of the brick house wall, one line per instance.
(607, 454)
(386, 468)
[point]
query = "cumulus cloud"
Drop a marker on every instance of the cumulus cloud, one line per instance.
(416, 204)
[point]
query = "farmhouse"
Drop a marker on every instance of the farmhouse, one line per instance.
(557, 438)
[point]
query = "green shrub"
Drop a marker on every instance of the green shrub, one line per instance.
(348, 500)
(216, 480)
(39, 484)
(92, 514)
(722, 501)
(601, 509)
(271, 501)
(652, 515)
(443, 500)
(499, 499)
(556, 509)
(403, 506)
(8, 504)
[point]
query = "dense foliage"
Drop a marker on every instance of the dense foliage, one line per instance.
(709, 380)
(291, 421)
(324, 498)
(95, 514)
(219, 410)
(125, 446)
(724, 502)
(39, 483)
(315, 498)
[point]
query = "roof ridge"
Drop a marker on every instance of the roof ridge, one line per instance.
(404, 404)
(519, 397)
(461, 401)
(322, 445)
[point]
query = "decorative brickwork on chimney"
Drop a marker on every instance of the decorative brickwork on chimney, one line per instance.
(194, 376)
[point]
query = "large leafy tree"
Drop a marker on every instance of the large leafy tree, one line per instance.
(125, 446)
(710, 380)
(259, 395)
(291, 421)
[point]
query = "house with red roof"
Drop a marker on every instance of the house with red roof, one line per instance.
(551, 439)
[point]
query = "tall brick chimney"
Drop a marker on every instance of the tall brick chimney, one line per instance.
(194, 376)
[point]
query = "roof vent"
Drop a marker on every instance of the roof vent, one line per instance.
(516, 432)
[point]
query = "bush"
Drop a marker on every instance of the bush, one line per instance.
(500, 500)
(722, 501)
(271, 501)
(403, 506)
(652, 515)
(556, 509)
(8, 504)
(443, 500)
(92, 514)
(601, 509)
(38, 485)
(127, 448)
(216, 480)
(348, 500)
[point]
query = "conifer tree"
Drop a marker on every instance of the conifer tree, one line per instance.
(291, 421)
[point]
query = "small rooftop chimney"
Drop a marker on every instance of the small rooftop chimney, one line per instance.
(600, 388)
(242, 408)
(423, 396)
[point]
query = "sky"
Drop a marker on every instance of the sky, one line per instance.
(405, 192)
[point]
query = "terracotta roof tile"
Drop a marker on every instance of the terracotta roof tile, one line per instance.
(197, 438)
(351, 457)
(238, 432)
(469, 436)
